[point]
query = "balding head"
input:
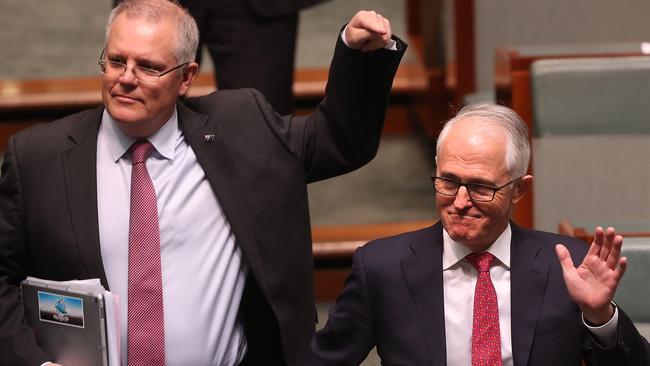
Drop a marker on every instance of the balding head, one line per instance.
(187, 36)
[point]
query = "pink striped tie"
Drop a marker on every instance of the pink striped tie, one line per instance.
(146, 332)
(486, 337)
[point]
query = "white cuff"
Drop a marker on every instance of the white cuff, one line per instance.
(605, 334)
(391, 45)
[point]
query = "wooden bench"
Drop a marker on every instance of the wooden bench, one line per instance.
(27, 102)
(333, 247)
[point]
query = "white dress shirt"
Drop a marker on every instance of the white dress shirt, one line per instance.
(459, 283)
(203, 273)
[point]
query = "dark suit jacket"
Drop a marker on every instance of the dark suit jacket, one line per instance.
(258, 165)
(393, 299)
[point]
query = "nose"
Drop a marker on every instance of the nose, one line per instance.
(462, 200)
(128, 76)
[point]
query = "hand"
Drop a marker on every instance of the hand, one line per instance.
(592, 285)
(367, 31)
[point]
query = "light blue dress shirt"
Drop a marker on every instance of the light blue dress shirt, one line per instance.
(203, 272)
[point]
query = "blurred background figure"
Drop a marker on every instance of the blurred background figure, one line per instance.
(252, 44)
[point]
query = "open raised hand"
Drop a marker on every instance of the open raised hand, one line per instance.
(592, 284)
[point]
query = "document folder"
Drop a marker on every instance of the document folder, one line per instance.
(68, 320)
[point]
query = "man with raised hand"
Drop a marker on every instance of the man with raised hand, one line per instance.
(475, 288)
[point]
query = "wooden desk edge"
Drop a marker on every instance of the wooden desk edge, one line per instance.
(81, 93)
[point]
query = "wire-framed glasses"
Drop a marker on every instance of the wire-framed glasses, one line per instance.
(142, 74)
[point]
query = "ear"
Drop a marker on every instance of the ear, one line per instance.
(522, 187)
(189, 73)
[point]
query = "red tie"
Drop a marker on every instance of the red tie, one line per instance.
(146, 332)
(486, 338)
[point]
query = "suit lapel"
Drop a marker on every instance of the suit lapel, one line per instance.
(80, 174)
(423, 275)
(528, 280)
(207, 142)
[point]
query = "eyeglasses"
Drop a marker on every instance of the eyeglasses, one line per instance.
(477, 192)
(141, 73)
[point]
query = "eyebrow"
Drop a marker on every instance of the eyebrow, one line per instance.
(471, 181)
(139, 61)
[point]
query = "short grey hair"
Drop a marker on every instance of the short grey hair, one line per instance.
(516, 132)
(187, 38)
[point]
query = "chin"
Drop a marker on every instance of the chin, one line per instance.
(465, 234)
(125, 115)
(462, 236)
(467, 239)
(459, 233)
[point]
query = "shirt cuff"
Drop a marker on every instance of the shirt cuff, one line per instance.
(605, 334)
(391, 45)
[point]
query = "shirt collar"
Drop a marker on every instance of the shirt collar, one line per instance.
(163, 140)
(453, 251)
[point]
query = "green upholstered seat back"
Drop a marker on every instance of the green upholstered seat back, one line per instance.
(591, 96)
(591, 145)
(633, 294)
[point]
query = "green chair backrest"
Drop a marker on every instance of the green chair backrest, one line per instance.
(591, 96)
(591, 140)
(633, 294)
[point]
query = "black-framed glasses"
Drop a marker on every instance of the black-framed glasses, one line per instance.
(142, 74)
(477, 191)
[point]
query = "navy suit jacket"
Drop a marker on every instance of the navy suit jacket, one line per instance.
(258, 164)
(393, 299)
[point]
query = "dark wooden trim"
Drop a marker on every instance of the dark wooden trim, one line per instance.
(27, 102)
(465, 51)
(333, 247)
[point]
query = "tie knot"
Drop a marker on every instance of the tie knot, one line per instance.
(140, 151)
(480, 261)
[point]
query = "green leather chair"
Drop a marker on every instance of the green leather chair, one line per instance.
(633, 294)
(591, 141)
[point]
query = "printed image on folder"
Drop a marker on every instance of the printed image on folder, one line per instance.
(69, 321)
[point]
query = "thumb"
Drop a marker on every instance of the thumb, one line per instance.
(370, 22)
(565, 257)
